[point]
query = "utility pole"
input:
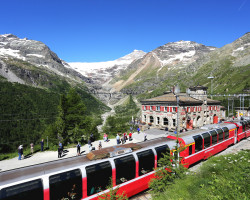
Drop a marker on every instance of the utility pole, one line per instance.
(211, 77)
(178, 128)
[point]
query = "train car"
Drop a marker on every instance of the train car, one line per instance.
(243, 128)
(202, 143)
(247, 127)
(79, 178)
(130, 169)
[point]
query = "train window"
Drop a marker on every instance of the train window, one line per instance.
(28, 191)
(198, 143)
(226, 131)
(214, 137)
(220, 132)
(161, 151)
(122, 165)
(206, 137)
(146, 161)
(190, 149)
(98, 177)
(66, 185)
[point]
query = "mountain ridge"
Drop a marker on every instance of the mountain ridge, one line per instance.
(33, 53)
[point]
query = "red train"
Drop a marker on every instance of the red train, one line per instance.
(79, 178)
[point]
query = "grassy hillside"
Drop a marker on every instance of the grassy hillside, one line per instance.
(223, 177)
(228, 79)
(119, 122)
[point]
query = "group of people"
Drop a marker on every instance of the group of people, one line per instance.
(20, 149)
(122, 138)
(105, 137)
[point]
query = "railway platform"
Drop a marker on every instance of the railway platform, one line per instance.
(47, 156)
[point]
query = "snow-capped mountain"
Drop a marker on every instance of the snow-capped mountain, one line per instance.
(184, 52)
(102, 72)
(14, 49)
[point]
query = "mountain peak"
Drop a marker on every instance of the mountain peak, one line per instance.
(9, 35)
(183, 52)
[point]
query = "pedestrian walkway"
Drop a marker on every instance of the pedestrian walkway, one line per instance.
(47, 156)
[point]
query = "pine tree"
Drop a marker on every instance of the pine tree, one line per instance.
(170, 168)
(72, 119)
(113, 193)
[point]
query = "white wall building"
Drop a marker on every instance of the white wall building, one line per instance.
(195, 109)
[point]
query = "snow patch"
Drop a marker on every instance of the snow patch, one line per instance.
(11, 52)
(36, 55)
(86, 69)
(182, 57)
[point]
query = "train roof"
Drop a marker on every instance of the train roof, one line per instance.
(188, 136)
(37, 170)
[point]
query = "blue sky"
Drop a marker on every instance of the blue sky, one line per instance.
(102, 30)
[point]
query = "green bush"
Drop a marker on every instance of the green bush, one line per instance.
(220, 178)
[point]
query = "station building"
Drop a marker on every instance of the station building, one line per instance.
(195, 109)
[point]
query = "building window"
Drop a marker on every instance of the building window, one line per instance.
(158, 120)
(165, 121)
(151, 119)
(174, 122)
(158, 108)
(151, 107)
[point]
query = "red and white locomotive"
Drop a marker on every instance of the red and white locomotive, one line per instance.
(79, 178)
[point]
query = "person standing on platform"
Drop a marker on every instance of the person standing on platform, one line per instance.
(42, 144)
(92, 137)
(138, 130)
(78, 147)
(90, 145)
(130, 136)
(118, 139)
(31, 148)
(20, 152)
(59, 151)
(100, 145)
(145, 136)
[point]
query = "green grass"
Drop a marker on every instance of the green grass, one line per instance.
(223, 177)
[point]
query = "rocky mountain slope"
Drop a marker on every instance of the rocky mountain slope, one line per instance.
(157, 65)
(229, 65)
(32, 62)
